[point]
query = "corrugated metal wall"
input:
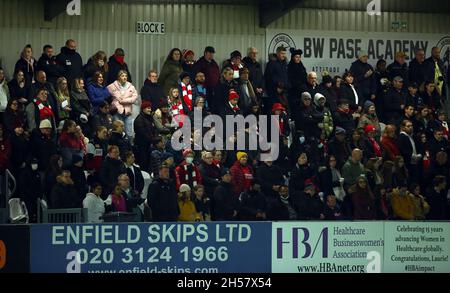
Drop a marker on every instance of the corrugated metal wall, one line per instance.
(341, 20)
(107, 25)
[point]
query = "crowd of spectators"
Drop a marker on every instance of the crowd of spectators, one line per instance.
(372, 144)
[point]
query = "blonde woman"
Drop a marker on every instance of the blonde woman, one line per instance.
(124, 95)
(63, 98)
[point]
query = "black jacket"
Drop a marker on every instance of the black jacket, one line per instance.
(136, 178)
(114, 68)
(430, 68)
(30, 188)
(310, 208)
(210, 177)
(50, 66)
(341, 151)
(251, 203)
(268, 177)
(344, 120)
(436, 146)
(224, 203)
(152, 92)
(276, 72)
(307, 120)
(417, 72)
(144, 129)
(367, 85)
(346, 93)
(221, 91)
(297, 78)
(406, 149)
(256, 72)
(15, 91)
(121, 141)
(42, 148)
(392, 104)
(28, 71)
(298, 177)
(278, 211)
(90, 69)
(71, 63)
(79, 180)
(163, 201)
(331, 95)
(21, 150)
(109, 173)
(438, 204)
(395, 69)
(65, 197)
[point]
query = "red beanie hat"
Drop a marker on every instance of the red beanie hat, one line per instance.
(277, 106)
(146, 104)
(187, 52)
(369, 128)
(233, 95)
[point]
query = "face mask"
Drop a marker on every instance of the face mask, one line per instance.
(302, 139)
(189, 160)
(101, 63)
(34, 167)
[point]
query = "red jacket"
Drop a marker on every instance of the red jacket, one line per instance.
(241, 177)
(70, 141)
(183, 176)
(391, 147)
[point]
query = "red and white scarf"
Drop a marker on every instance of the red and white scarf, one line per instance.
(236, 69)
(186, 91)
(45, 112)
(177, 113)
(193, 174)
(444, 126)
(234, 108)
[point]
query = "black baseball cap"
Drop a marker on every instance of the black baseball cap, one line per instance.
(210, 49)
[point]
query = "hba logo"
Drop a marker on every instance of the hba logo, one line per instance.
(302, 243)
(74, 8)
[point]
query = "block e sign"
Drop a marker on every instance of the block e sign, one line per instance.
(150, 28)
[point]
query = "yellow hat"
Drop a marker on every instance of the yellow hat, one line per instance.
(400, 54)
(239, 155)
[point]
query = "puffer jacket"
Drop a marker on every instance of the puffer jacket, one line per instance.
(123, 98)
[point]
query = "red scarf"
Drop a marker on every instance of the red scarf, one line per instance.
(120, 59)
(376, 146)
(186, 92)
(45, 112)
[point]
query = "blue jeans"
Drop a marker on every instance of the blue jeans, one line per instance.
(128, 122)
